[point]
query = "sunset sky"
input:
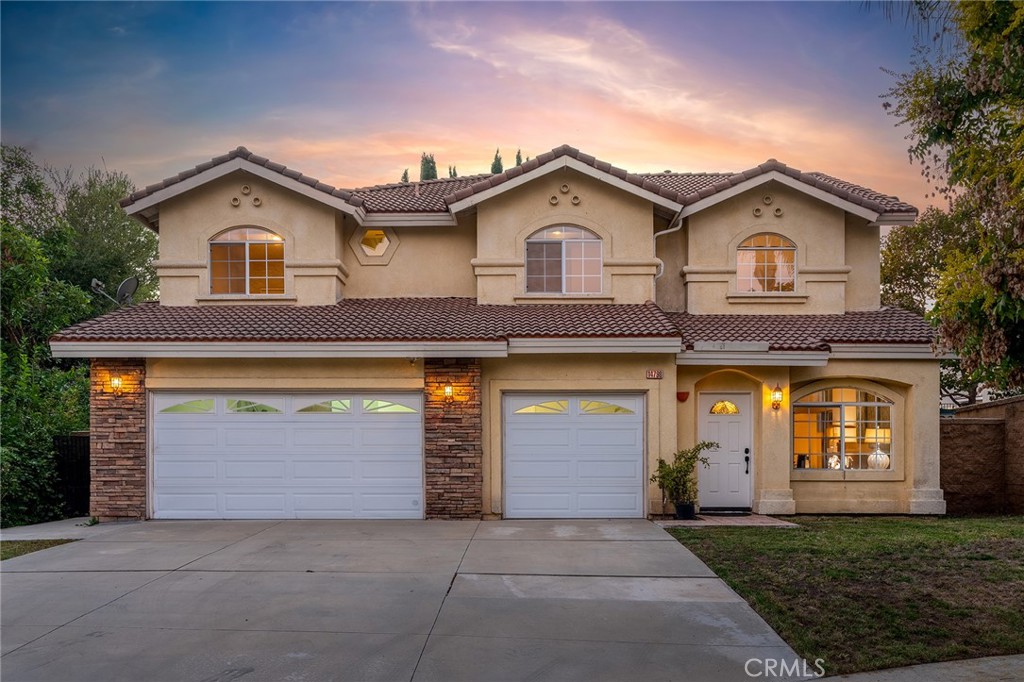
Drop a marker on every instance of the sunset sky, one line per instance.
(352, 93)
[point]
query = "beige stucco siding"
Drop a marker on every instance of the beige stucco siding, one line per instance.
(313, 273)
(577, 373)
(427, 261)
(624, 223)
(283, 374)
(817, 229)
(863, 244)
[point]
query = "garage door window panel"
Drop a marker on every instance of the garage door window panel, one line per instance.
(374, 406)
(202, 406)
(245, 406)
(339, 406)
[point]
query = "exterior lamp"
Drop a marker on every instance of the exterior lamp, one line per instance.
(449, 393)
(116, 384)
(776, 397)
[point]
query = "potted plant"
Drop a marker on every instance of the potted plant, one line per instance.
(678, 478)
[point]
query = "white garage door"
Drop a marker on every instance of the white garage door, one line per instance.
(270, 456)
(574, 456)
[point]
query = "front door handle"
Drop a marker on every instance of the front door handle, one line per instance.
(747, 460)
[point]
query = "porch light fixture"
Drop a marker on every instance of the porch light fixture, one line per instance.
(116, 384)
(776, 397)
(449, 393)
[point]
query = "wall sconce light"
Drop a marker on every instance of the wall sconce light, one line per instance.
(449, 393)
(776, 397)
(116, 384)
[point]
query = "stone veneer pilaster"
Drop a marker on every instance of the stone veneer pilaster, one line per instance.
(453, 439)
(117, 442)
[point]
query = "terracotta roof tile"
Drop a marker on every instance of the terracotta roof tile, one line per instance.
(806, 332)
(434, 196)
(368, 319)
(243, 153)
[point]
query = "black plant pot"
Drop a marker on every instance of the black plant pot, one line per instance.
(686, 510)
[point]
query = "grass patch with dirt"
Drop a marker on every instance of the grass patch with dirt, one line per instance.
(867, 593)
(12, 548)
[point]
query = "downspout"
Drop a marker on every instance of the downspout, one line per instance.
(674, 226)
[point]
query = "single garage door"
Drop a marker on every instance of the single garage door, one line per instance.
(276, 456)
(574, 456)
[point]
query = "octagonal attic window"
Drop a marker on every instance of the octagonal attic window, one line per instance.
(374, 242)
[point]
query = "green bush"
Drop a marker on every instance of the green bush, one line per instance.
(28, 493)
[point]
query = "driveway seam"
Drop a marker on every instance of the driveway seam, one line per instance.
(443, 600)
(132, 591)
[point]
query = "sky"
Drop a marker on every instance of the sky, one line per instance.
(352, 93)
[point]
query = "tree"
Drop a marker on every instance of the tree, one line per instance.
(452, 173)
(496, 166)
(105, 243)
(519, 157)
(428, 167)
(964, 106)
(405, 175)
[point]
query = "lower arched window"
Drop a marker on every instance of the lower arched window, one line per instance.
(843, 429)
(247, 260)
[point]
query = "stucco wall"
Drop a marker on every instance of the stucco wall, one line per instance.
(284, 374)
(313, 273)
(428, 261)
(623, 221)
(829, 249)
(912, 486)
(575, 373)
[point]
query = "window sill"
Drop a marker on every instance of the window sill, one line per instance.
(563, 298)
(247, 298)
(770, 297)
(852, 475)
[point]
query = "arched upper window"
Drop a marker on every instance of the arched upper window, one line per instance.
(843, 428)
(766, 262)
(247, 260)
(563, 260)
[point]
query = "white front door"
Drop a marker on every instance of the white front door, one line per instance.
(574, 456)
(725, 418)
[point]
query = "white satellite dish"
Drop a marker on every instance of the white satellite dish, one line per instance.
(125, 290)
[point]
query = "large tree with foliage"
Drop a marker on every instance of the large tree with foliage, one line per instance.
(963, 101)
(913, 259)
(105, 243)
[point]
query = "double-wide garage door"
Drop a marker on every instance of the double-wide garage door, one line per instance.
(260, 456)
(574, 456)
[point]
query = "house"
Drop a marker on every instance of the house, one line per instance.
(525, 344)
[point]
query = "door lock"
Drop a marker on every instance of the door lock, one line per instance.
(747, 460)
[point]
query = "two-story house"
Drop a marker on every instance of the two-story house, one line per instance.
(525, 344)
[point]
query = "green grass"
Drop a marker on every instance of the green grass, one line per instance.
(12, 548)
(878, 592)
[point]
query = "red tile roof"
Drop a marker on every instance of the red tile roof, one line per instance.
(243, 153)
(434, 196)
(462, 319)
(372, 319)
(807, 332)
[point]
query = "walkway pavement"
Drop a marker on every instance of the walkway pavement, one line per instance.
(992, 669)
(420, 601)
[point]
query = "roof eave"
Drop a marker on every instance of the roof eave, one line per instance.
(556, 164)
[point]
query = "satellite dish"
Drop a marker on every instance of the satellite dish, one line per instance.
(126, 289)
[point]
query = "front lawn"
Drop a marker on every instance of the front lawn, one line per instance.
(866, 593)
(12, 548)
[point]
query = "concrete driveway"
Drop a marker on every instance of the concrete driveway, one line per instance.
(216, 601)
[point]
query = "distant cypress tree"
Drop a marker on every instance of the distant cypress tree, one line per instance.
(519, 157)
(496, 166)
(428, 167)
(452, 173)
(405, 175)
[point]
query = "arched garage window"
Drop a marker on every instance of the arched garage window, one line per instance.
(563, 260)
(843, 429)
(247, 260)
(766, 263)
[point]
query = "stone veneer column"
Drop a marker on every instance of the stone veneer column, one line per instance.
(117, 439)
(453, 439)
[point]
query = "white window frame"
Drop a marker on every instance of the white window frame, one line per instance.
(213, 241)
(542, 240)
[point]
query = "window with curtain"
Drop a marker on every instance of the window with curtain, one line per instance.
(766, 263)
